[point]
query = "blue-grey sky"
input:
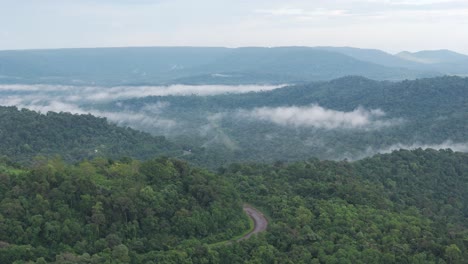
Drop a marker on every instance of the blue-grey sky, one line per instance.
(390, 25)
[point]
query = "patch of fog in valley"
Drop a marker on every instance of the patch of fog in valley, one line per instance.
(84, 99)
(159, 118)
(105, 94)
(320, 117)
(371, 151)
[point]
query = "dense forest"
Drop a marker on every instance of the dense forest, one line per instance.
(211, 131)
(221, 127)
(403, 207)
(25, 134)
(77, 188)
(114, 211)
(116, 151)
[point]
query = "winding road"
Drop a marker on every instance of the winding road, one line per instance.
(260, 222)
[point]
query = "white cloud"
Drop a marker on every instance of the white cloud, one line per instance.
(143, 120)
(53, 106)
(448, 144)
(148, 119)
(304, 13)
(281, 11)
(422, 2)
(319, 117)
(381, 24)
(371, 151)
(102, 94)
(60, 98)
(155, 108)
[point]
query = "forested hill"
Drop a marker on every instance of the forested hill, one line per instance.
(425, 111)
(403, 207)
(431, 96)
(101, 211)
(25, 134)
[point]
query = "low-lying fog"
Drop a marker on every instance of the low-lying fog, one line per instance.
(154, 118)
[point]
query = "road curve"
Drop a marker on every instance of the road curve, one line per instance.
(260, 222)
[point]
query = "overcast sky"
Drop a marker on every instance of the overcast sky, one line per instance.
(390, 25)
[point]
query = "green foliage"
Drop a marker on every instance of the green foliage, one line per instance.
(211, 132)
(404, 207)
(425, 112)
(102, 210)
(25, 134)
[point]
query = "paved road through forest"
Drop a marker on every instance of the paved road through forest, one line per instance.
(260, 222)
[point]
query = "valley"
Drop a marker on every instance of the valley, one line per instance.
(233, 156)
(234, 132)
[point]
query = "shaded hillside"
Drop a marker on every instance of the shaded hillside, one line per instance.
(428, 96)
(105, 66)
(433, 56)
(350, 117)
(430, 61)
(300, 64)
(442, 60)
(25, 134)
(229, 127)
(375, 56)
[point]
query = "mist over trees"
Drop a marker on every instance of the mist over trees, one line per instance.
(25, 134)
(152, 155)
(351, 118)
(348, 118)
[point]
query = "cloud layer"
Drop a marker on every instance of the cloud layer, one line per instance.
(147, 119)
(60, 98)
(371, 151)
(319, 117)
(394, 25)
(448, 144)
(99, 94)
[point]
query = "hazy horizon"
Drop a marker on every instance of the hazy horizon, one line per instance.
(188, 46)
(390, 25)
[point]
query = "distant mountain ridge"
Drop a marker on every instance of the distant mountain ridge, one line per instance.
(212, 65)
(441, 60)
(433, 56)
(375, 56)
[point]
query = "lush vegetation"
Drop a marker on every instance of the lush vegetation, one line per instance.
(404, 207)
(25, 134)
(425, 111)
(106, 211)
(213, 131)
(92, 198)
